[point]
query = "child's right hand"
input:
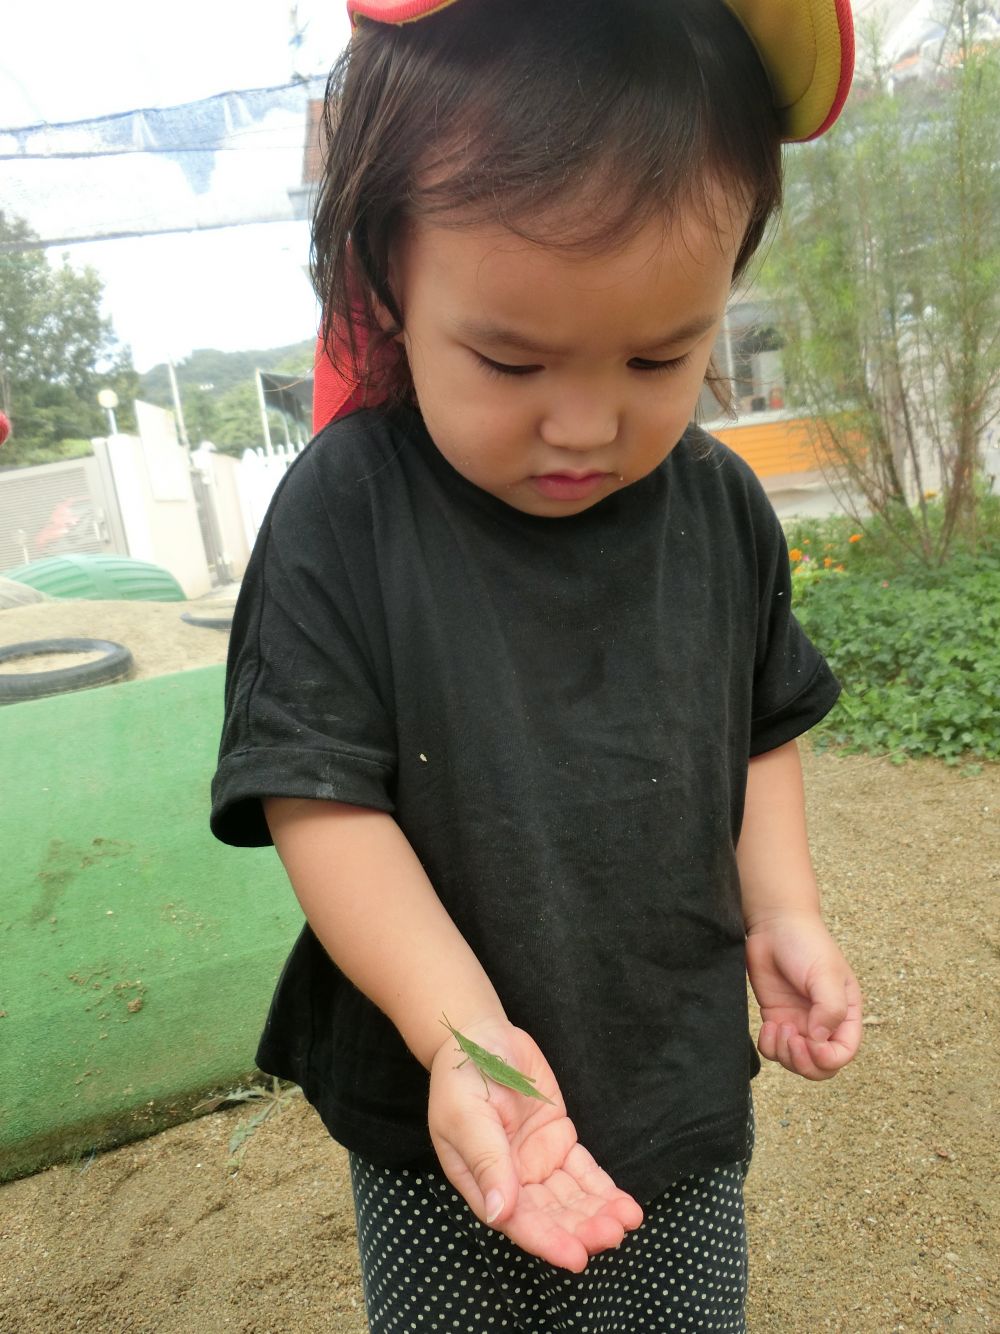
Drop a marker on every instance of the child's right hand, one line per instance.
(516, 1160)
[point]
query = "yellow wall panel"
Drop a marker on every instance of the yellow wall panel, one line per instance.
(773, 447)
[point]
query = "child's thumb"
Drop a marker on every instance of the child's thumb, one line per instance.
(492, 1168)
(828, 1010)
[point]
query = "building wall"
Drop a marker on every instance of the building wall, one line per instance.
(778, 447)
(773, 443)
(222, 475)
(162, 528)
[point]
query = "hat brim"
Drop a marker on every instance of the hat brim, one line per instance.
(394, 11)
(806, 46)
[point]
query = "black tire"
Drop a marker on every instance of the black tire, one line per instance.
(115, 664)
(211, 622)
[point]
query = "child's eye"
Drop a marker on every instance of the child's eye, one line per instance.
(637, 364)
(674, 364)
(501, 368)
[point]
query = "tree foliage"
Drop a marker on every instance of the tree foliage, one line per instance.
(887, 272)
(56, 352)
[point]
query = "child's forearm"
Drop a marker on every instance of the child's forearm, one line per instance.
(370, 903)
(776, 872)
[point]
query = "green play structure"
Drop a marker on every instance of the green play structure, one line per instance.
(112, 578)
(138, 954)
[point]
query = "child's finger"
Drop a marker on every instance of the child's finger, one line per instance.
(474, 1152)
(606, 1213)
(803, 1053)
(491, 1168)
(829, 1007)
(794, 1053)
(767, 1040)
(844, 1040)
(843, 1045)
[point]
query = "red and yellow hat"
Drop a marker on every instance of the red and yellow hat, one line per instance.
(806, 46)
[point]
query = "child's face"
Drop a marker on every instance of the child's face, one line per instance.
(551, 380)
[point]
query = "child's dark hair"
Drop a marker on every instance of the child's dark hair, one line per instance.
(498, 110)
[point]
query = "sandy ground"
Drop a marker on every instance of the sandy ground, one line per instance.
(872, 1202)
(160, 640)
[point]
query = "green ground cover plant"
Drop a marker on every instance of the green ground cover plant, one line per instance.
(915, 646)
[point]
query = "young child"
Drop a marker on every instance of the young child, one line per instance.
(514, 683)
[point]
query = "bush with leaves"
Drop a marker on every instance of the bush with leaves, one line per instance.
(916, 648)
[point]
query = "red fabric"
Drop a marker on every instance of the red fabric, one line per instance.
(335, 390)
(334, 394)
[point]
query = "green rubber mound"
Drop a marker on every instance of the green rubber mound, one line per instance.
(108, 578)
(138, 954)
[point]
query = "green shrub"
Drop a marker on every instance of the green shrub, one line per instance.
(872, 545)
(918, 653)
(65, 449)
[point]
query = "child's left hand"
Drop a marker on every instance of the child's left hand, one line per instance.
(549, 1196)
(809, 998)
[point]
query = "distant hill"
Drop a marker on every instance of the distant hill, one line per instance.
(219, 395)
(215, 372)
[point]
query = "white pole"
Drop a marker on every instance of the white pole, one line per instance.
(263, 412)
(178, 410)
(727, 347)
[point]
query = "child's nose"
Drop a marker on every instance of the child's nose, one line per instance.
(580, 421)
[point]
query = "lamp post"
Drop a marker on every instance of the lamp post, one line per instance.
(108, 400)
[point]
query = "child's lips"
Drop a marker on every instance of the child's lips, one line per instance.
(569, 486)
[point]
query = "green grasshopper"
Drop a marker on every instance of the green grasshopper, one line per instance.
(493, 1067)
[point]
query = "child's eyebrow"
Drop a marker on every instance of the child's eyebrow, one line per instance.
(497, 335)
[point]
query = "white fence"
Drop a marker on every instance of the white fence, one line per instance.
(258, 477)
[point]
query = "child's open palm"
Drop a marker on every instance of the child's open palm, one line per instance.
(517, 1161)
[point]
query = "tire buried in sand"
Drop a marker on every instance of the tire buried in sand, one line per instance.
(115, 663)
(220, 622)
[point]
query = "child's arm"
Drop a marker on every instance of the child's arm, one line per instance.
(809, 998)
(372, 907)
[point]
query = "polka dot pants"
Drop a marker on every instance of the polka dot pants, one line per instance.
(430, 1267)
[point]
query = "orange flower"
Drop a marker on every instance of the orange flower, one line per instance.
(840, 568)
(795, 554)
(854, 537)
(827, 562)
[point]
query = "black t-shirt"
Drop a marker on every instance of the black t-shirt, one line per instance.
(559, 714)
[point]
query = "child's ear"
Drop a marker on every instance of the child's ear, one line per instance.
(386, 321)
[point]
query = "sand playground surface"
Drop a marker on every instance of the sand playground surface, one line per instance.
(872, 1201)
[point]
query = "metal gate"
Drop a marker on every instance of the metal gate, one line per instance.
(211, 533)
(58, 509)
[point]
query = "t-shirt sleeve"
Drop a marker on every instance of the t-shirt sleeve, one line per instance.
(793, 685)
(308, 677)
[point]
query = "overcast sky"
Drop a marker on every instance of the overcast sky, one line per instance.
(63, 61)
